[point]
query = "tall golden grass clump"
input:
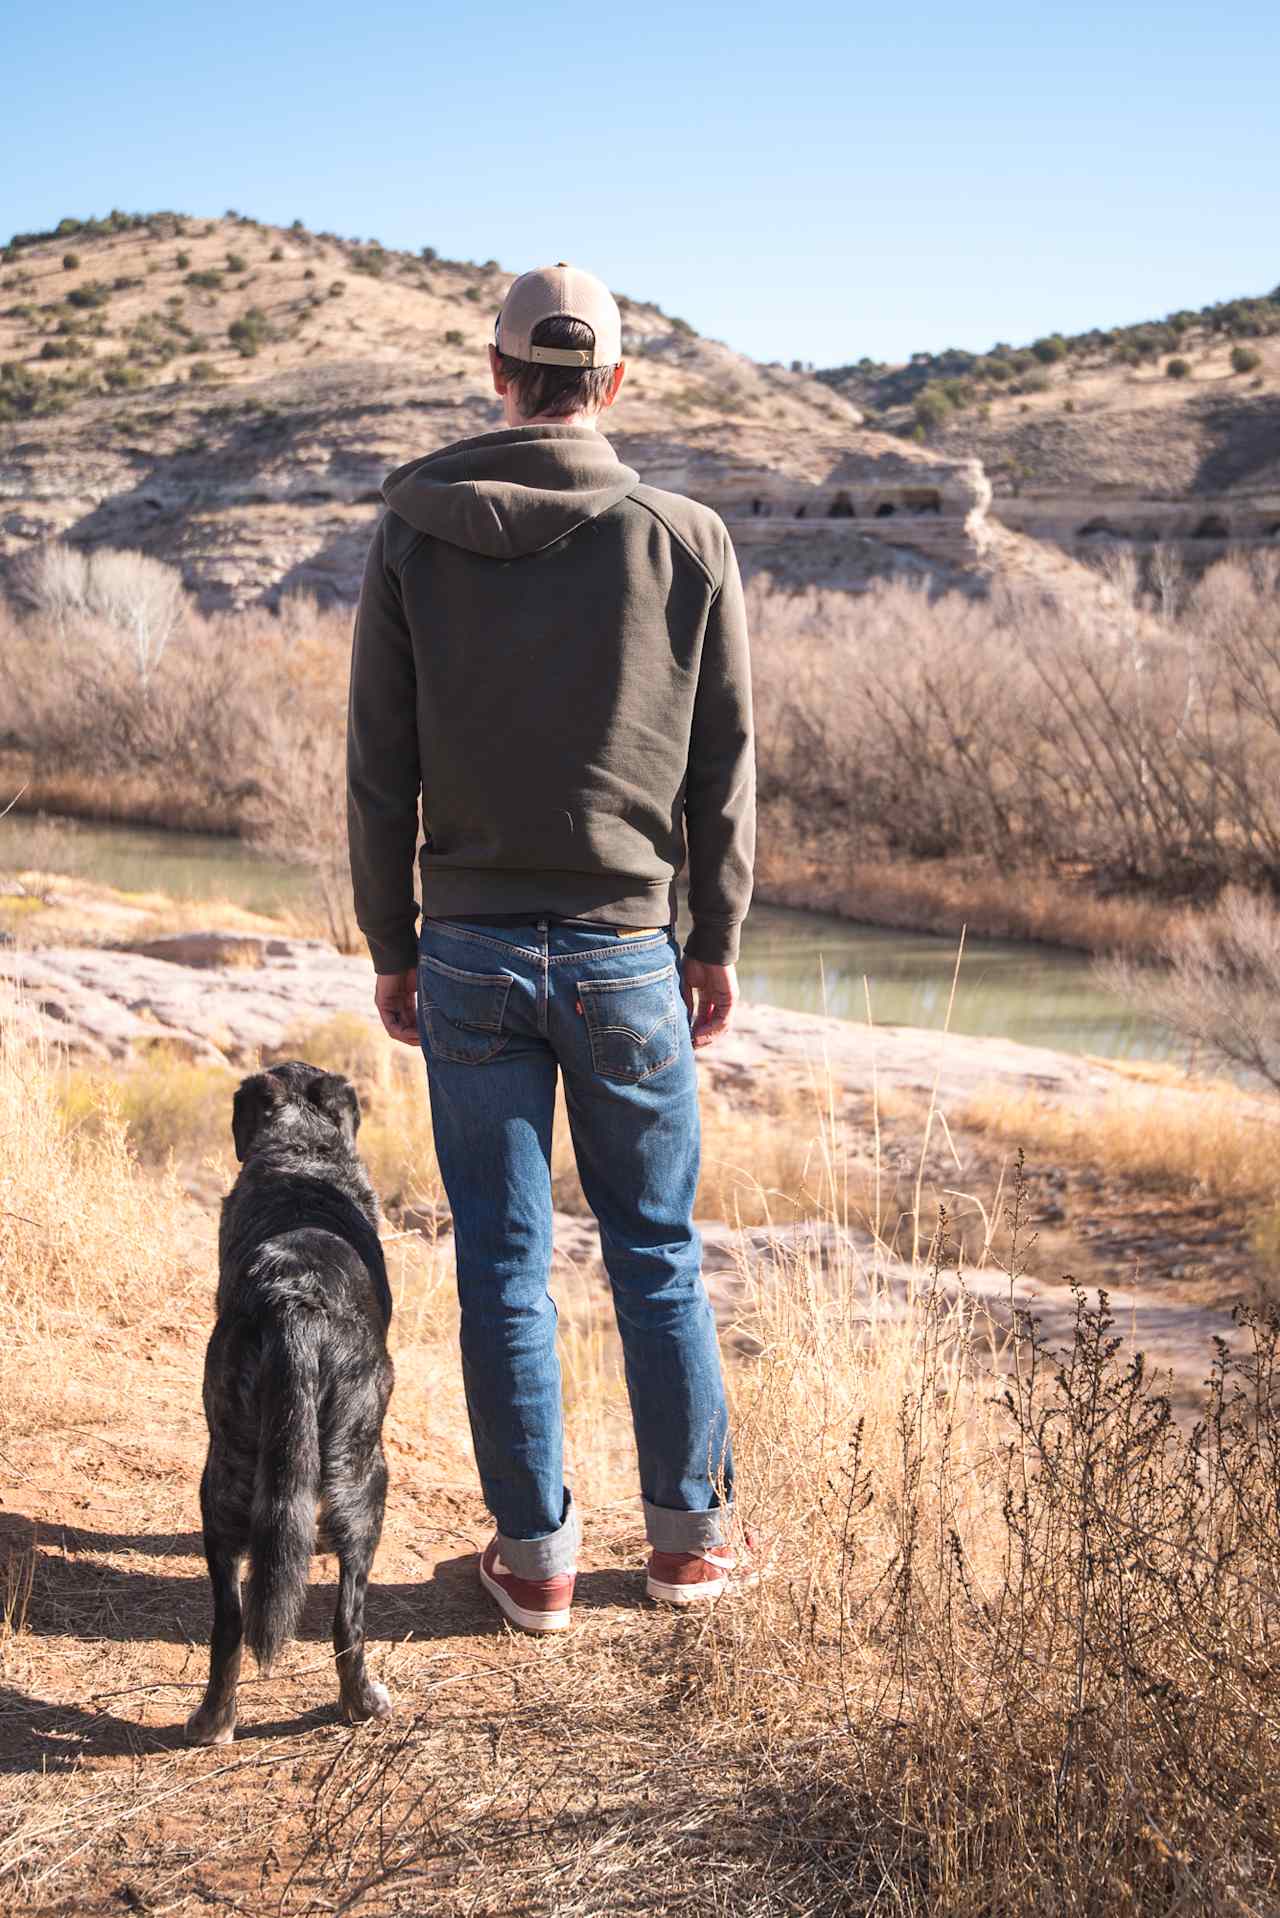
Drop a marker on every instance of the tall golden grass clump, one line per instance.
(1212, 1141)
(95, 1255)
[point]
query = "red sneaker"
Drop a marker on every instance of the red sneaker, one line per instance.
(686, 1578)
(531, 1604)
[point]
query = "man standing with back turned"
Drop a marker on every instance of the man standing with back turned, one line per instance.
(555, 657)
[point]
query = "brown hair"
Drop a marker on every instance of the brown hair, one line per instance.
(557, 390)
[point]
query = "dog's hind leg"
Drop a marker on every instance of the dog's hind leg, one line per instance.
(353, 1520)
(214, 1720)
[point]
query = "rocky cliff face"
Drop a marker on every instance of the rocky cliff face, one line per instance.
(1090, 452)
(229, 397)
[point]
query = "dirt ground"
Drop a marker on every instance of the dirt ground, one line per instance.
(487, 1790)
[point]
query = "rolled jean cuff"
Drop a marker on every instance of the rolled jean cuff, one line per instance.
(671, 1531)
(547, 1557)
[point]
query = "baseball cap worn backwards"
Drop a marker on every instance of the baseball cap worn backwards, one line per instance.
(559, 292)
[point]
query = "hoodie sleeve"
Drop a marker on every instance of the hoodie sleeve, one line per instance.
(383, 773)
(720, 789)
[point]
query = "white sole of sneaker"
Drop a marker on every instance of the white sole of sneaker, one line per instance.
(516, 1615)
(703, 1592)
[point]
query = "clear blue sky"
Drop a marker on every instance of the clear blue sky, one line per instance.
(803, 180)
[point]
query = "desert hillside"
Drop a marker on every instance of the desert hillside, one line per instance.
(229, 396)
(1167, 430)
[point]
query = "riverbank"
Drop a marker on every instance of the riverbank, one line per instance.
(944, 896)
(113, 799)
(951, 895)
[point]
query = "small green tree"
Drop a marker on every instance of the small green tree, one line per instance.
(250, 332)
(1054, 347)
(1245, 359)
(70, 261)
(1178, 369)
(932, 408)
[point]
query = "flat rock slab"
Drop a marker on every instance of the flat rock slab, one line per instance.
(227, 994)
(217, 996)
(812, 1051)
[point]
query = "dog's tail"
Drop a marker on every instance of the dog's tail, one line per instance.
(286, 1491)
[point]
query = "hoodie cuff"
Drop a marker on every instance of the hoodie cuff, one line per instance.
(399, 953)
(714, 941)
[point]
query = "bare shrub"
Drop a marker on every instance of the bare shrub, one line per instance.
(241, 713)
(1135, 737)
(139, 601)
(298, 807)
(1123, 746)
(1219, 986)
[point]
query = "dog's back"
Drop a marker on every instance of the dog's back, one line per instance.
(297, 1375)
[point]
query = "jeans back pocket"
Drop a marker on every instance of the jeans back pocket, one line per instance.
(632, 1024)
(462, 1012)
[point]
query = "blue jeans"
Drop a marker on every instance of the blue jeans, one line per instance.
(502, 1010)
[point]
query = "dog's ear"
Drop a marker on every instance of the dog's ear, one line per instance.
(336, 1098)
(256, 1099)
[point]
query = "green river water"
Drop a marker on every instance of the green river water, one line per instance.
(1042, 995)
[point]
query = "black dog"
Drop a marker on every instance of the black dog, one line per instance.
(296, 1384)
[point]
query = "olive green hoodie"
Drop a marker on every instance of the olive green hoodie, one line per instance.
(554, 657)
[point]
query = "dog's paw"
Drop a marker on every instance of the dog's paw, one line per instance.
(374, 1702)
(201, 1729)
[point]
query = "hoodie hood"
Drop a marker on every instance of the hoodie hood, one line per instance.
(511, 493)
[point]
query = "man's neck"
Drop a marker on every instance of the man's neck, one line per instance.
(589, 421)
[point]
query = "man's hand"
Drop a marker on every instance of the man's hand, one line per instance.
(717, 994)
(396, 997)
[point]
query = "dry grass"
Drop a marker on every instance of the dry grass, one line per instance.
(799, 868)
(1016, 1656)
(167, 1107)
(1213, 1142)
(96, 1261)
(118, 797)
(759, 1165)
